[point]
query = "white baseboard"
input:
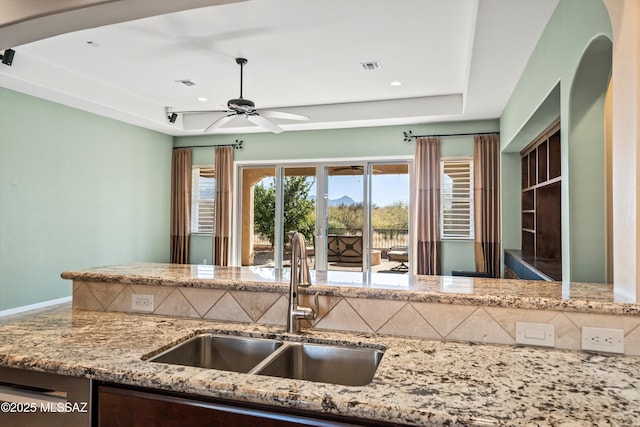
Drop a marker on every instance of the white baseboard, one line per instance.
(30, 307)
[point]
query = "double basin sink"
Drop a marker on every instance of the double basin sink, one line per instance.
(332, 364)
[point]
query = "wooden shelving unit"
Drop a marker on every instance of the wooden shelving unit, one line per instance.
(541, 200)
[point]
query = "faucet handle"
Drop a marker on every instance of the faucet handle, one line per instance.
(316, 306)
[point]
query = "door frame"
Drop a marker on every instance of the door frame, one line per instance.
(321, 166)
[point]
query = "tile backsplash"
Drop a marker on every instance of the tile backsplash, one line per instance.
(451, 322)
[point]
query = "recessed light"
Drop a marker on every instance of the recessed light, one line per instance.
(396, 83)
(202, 99)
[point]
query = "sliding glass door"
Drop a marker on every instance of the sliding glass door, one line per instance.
(274, 201)
(258, 215)
(352, 214)
(297, 209)
(390, 218)
(345, 215)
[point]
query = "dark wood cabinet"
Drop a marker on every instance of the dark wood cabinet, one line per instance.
(541, 202)
(129, 406)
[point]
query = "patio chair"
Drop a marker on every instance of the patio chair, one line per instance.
(399, 254)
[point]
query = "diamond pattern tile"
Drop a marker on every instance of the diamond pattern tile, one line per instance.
(227, 308)
(568, 335)
(176, 305)
(277, 313)
(444, 318)
(105, 292)
(375, 312)
(84, 299)
(408, 322)
(343, 317)
(255, 304)
(481, 327)
(202, 299)
(123, 301)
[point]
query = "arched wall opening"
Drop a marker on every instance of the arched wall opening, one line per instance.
(588, 181)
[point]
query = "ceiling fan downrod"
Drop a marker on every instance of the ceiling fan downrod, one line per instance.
(241, 62)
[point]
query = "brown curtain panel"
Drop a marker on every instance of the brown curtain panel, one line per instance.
(222, 215)
(486, 179)
(180, 205)
(427, 165)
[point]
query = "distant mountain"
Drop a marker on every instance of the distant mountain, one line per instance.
(344, 200)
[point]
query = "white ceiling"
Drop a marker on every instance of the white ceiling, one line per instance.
(456, 59)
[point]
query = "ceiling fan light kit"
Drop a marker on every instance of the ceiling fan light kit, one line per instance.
(247, 108)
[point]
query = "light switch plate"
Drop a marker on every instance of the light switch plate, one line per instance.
(141, 302)
(602, 339)
(541, 334)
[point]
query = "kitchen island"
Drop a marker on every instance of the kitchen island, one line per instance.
(467, 309)
(418, 382)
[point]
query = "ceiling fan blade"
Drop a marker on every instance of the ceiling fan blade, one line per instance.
(282, 115)
(221, 121)
(265, 123)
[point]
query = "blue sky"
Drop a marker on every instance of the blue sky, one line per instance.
(386, 188)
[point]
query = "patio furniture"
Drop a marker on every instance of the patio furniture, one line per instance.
(347, 249)
(376, 256)
(399, 254)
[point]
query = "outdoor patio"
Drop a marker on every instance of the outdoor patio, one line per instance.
(265, 258)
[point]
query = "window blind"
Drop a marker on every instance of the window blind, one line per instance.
(203, 191)
(456, 199)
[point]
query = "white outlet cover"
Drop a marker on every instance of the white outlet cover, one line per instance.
(540, 334)
(603, 339)
(141, 302)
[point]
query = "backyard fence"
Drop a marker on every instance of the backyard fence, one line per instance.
(381, 238)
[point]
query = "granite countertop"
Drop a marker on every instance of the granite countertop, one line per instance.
(508, 293)
(418, 382)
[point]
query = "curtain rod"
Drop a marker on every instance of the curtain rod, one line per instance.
(408, 136)
(237, 145)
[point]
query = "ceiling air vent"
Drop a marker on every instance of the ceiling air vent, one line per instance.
(371, 65)
(186, 82)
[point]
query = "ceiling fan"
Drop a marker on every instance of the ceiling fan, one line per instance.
(351, 170)
(247, 108)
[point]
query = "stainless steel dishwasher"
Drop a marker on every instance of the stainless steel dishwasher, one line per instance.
(35, 399)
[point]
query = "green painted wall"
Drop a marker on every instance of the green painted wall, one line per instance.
(332, 143)
(587, 165)
(555, 59)
(76, 190)
(372, 142)
(544, 91)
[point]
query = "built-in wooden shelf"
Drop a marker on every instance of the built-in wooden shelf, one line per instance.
(541, 198)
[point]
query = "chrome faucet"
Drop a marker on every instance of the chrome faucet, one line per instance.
(299, 277)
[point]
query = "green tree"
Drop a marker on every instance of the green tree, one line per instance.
(394, 216)
(299, 211)
(346, 216)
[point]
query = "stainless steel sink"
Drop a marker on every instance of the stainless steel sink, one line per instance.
(323, 363)
(304, 361)
(226, 353)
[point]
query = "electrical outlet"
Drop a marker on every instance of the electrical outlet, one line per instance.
(535, 334)
(140, 302)
(601, 339)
